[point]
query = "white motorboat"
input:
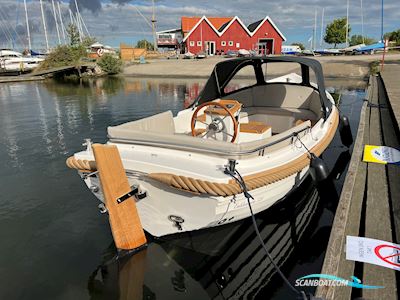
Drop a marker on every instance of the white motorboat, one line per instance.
(13, 61)
(181, 167)
(188, 55)
(244, 53)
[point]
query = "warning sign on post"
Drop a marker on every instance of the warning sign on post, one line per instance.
(373, 251)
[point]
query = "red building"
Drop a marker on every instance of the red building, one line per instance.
(219, 35)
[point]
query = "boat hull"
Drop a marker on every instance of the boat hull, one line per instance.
(165, 204)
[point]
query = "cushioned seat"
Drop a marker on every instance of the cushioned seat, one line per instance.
(280, 118)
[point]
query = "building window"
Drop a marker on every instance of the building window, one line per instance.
(191, 43)
(237, 45)
(230, 43)
(199, 43)
(223, 43)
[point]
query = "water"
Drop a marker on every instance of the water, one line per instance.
(55, 245)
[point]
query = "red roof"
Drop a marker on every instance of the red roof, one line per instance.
(189, 22)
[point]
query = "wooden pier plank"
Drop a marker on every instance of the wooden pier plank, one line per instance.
(347, 218)
(390, 129)
(390, 76)
(377, 216)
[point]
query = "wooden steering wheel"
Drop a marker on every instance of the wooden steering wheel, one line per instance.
(217, 120)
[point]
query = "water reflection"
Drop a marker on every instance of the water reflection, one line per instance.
(47, 212)
(227, 262)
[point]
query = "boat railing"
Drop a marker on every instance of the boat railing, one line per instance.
(167, 144)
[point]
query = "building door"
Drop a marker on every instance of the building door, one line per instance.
(210, 48)
(266, 46)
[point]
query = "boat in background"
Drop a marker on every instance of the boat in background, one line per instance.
(328, 51)
(244, 53)
(371, 49)
(290, 50)
(97, 50)
(201, 55)
(188, 55)
(13, 61)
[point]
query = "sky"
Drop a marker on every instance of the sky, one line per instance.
(116, 21)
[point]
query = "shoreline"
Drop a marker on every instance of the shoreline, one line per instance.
(334, 67)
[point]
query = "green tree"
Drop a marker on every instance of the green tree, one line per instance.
(145, 44)
(300, 45)
(110, 64)
(73, 35)
(87, 41)
(358, 39)
(393, 36)
(336, 32)
(63, 55)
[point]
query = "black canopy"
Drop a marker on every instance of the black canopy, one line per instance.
(224, 71)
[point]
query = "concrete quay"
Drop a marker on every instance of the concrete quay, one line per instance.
(354, 67)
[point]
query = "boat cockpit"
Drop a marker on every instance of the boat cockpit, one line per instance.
(239, 120)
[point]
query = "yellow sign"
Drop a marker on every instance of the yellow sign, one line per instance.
(381, 154)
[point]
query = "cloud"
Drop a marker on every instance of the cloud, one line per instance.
(114, 21)
(91, 5)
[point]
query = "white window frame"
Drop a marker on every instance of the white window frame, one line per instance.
(223, 43)
(237, 45)
(230, 43)
(191, 43)
(198, 43)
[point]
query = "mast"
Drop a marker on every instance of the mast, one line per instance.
(153, 27)
(362, 22)
(70, 17)
(28, 32)
(382, 21)
(55, 20)
(315, 31)
(78, 21)
(44, 26)
(322, 27)
(84, 25)
(347, 25)
(61, 22)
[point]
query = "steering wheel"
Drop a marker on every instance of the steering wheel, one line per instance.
(217, 121)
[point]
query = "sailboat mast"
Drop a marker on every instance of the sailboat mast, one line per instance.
(78, 21)
(28, 32)
(153, 27)
(382, 21)
(362, 22)
(44, 25)
(56, 21)
(70, 17)
(315, 31)
(61, 22)
(84, 26)
(347, 25)
(322, 26)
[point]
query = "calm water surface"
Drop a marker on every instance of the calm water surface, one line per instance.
(55, 245)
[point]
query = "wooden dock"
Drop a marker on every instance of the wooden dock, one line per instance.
(6, 79)
(369, 204)
(78, 69)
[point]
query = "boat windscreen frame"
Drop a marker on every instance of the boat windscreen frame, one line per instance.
(224, 71)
